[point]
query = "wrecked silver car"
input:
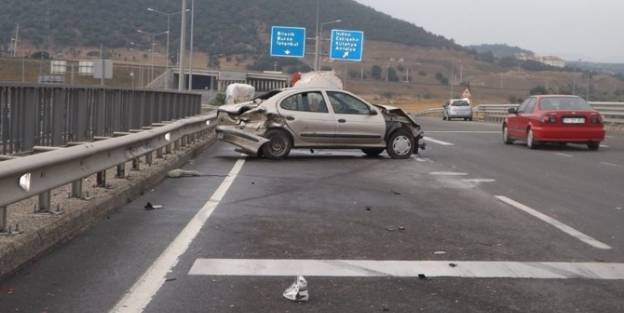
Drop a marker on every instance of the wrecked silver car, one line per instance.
(316, 118)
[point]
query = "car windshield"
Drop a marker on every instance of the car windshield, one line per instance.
(563, 103)
(460, 104)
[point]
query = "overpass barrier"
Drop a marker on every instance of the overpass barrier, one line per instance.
(44, 115)
(114, 127)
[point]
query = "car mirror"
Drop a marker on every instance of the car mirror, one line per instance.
(513, 110)
(373, 112)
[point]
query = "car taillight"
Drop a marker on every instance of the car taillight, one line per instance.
(596, 119)
(552, 119)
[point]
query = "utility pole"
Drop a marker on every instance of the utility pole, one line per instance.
(317, 44)
(190, 80)
(102, 64)
(182, 47)
(16, 40)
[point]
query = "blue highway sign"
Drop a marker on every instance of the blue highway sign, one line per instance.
(288, 42)
(346, 45)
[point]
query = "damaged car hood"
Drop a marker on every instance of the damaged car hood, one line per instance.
(238, 108)
(398, 111)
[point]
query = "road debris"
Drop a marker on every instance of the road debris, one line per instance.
(179, 173)
(298, 291)
(452, 265)
(368, 208)
(149, 206)
(171, 279)
(396, 193)
(391, 228)
(401, 228)
(422, 276)
(439, 252)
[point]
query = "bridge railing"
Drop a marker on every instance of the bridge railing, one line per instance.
(40, 115)
(87, 131)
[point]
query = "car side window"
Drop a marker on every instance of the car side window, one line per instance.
(524, 105)
(530, 106)
(305, 102)
(347, 104)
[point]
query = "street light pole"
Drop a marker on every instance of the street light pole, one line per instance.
(190, 79)
(182, 47)
(317, 47)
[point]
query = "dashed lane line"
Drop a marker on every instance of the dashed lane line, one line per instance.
(564, 155)
(142, 292)
(448, 174)
(557, 224)
(366, 268)
(439, 142)
(609, 164)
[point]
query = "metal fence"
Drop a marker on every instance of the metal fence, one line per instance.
(613, 112)
(36, 115)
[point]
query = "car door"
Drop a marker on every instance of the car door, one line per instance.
(513, 121)
(308, 118)
(524, 116)
(358, 122)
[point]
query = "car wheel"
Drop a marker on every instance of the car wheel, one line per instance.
(531, 143)
(444, 118)
(279, 145)
(506, 139)
(593, 146)
(373, 153)
(400, 144)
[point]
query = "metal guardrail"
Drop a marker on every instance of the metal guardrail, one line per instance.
(103, 127)
(39, 174)
(613, 112)
(37, 115)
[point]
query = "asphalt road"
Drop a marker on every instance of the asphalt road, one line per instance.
(446, 205)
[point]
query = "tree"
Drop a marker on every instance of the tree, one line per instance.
(376, 72)
(392, 75)
(538, 90)
(442, 79)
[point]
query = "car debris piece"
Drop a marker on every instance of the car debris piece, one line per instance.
(391, 228)
(396, 193)
(452, 265)
(422, 276)
(368, 208)
(298, 291)
(149, 206)
(401, 228)
(179, 173)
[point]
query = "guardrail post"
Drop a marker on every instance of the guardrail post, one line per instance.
(45, 202)
(136, 164)
(77, 189)
(159, 153)
(149, 158)
(168, 149)
(101, 179)
(3, 219)
(121, 170)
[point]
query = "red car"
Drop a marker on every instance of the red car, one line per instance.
(557, 119)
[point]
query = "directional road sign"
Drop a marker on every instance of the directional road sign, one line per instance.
(346, 45)
(288, 42)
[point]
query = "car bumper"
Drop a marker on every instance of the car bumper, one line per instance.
(460, 115)
(249, 143)
(569, 134)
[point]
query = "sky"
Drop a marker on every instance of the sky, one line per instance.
(591, 30)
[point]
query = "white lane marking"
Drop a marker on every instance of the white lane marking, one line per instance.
(440, 142)
(619, 208)
(448, 174)
(557, 224)
(143, 290)
(564, 155)
(609, 164)
(479, 180)
(464, 131)
(366, 268)
(604, 146)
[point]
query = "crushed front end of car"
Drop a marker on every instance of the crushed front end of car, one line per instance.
(397, 118)
(245, 125)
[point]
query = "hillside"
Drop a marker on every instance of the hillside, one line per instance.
(499, 50)
(222, 26)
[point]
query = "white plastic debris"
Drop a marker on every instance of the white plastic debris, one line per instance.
(179, 173)
(237, 93)
(320, 80)
(298, 291)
